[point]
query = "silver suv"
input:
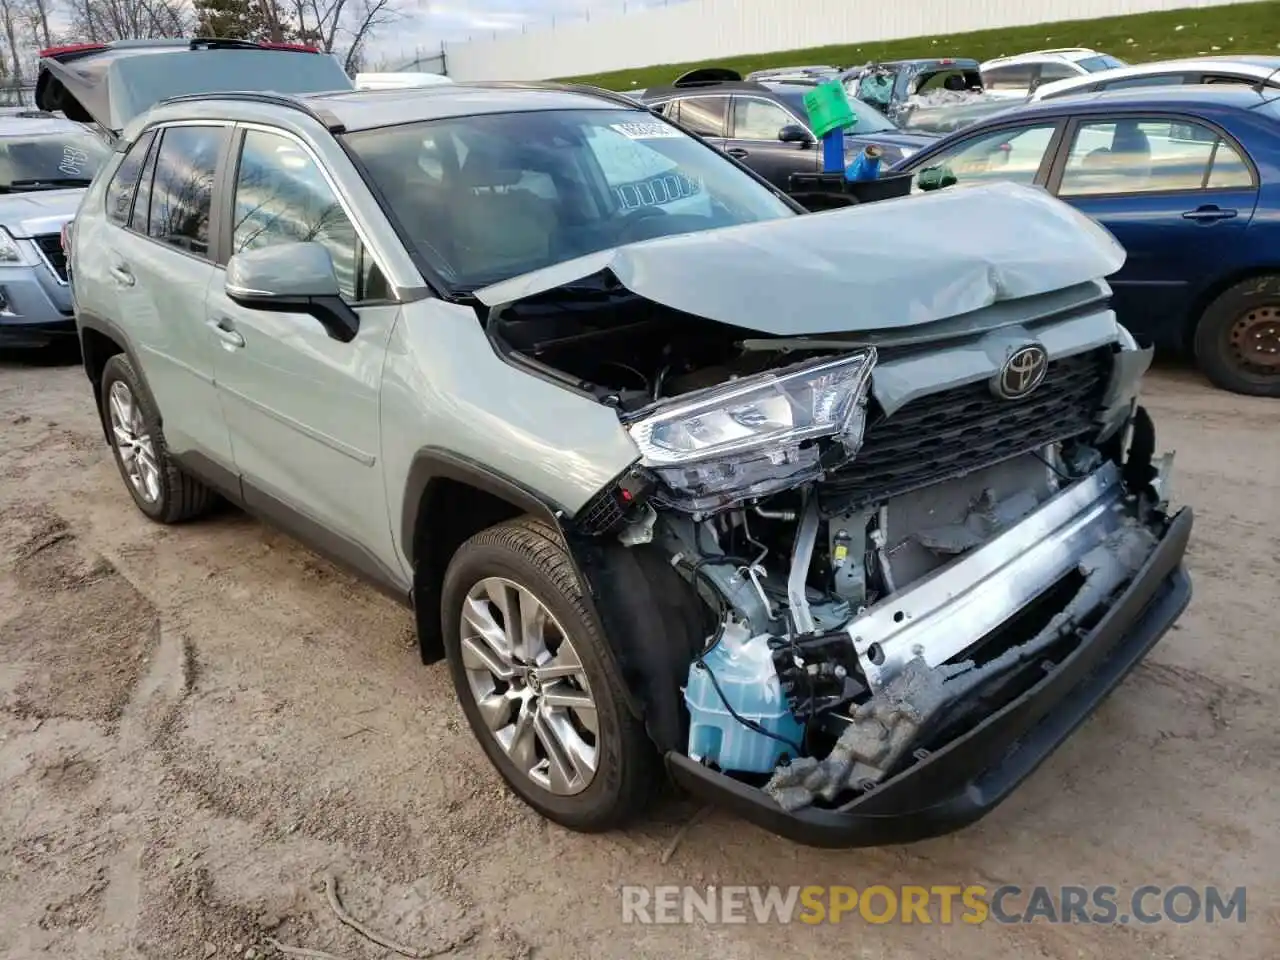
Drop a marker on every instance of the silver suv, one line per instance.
(847, 523)
(45, 165)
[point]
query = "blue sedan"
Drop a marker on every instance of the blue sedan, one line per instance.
(1188, 180)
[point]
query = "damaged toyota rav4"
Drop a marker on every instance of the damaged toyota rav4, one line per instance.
(848, 518)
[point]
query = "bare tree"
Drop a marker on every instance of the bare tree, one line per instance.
(343, 25)
(103, 20)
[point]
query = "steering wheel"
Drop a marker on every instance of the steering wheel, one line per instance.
(633, 220)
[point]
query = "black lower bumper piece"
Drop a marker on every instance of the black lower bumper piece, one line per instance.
(45, 333)
(963, 781)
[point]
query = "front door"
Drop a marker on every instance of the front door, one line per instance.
(1177, 195)
(302, 407)
(160, 265)
(753, 138)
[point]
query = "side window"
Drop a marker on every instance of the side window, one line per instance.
(281, 196)
(1014, 77)
(1013, 155)
(705, 116)
(123, 186)
(1245, 81)
(1049, 72)
(1153, 80)
(758, 119)
(1150, 156)
(182, 191)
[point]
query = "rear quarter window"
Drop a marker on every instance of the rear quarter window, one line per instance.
(124, 183)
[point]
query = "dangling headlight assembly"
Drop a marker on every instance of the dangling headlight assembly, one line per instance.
(758, 435)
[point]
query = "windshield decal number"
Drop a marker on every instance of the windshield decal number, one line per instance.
(73, 161)
(651, 130)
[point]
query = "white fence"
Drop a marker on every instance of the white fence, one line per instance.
(707, 29)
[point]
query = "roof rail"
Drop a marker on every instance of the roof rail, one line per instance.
(331, 122)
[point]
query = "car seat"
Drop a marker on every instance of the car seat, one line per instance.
(1131, 150)
(496, 222)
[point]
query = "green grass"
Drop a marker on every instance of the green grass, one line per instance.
(1240, 28)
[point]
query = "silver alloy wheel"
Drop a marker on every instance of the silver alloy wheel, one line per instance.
(528, 682)
(133, 442)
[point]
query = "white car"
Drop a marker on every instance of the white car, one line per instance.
(1163, 73)
(398, 80)
(1021, 75)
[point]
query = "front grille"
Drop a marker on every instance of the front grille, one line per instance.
(957, 431)
(50, 245)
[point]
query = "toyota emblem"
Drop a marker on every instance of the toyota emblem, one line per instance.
(1022, 372)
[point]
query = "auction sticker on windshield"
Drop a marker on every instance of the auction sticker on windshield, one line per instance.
(640, 130)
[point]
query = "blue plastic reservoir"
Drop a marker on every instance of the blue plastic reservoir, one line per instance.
(743, 666)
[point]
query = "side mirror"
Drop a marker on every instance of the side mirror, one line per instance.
(794, 133)
(292, 278)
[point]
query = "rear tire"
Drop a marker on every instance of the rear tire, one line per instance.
(1237, 341)
(500, 578)
(158, 486)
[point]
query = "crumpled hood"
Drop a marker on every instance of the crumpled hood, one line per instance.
(880, 266)
(38, 212)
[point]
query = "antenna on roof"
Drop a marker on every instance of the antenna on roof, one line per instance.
(1262, 84)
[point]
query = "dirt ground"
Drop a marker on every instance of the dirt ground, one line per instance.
(198, 724)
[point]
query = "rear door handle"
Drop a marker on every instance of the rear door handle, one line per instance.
(1210, 214)
(225, 331)
(122, 275)
(738, 153)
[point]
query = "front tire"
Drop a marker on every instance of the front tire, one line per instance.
(1237, 341)
(536, 680)
(158, 486)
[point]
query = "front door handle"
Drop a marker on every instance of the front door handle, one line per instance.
(225, 331)
(738, 153)
(122, 275)
(1210, 213)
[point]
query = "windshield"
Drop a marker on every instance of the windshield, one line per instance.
(869, 119)
(46, 161)
(1101, 62)
(485, 198)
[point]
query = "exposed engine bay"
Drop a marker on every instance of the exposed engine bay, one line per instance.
(873, 583)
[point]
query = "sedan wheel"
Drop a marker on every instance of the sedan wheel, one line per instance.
(529, 685)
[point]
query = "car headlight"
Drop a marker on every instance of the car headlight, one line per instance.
(755, 436)
(9, 252)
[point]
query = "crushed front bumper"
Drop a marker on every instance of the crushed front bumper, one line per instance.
(959, 783)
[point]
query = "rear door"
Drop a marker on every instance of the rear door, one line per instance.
(755, 123)
(1177, 192)
(160, 265)
(707, 116)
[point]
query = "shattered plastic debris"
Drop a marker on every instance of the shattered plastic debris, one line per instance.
(884, 728)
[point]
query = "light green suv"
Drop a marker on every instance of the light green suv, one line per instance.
(849, 518)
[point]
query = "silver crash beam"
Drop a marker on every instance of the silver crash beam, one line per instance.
(943, 614)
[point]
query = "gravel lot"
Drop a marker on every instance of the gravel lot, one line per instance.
(197, 724)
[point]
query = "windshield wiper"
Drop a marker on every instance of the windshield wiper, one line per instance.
(52, 183)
